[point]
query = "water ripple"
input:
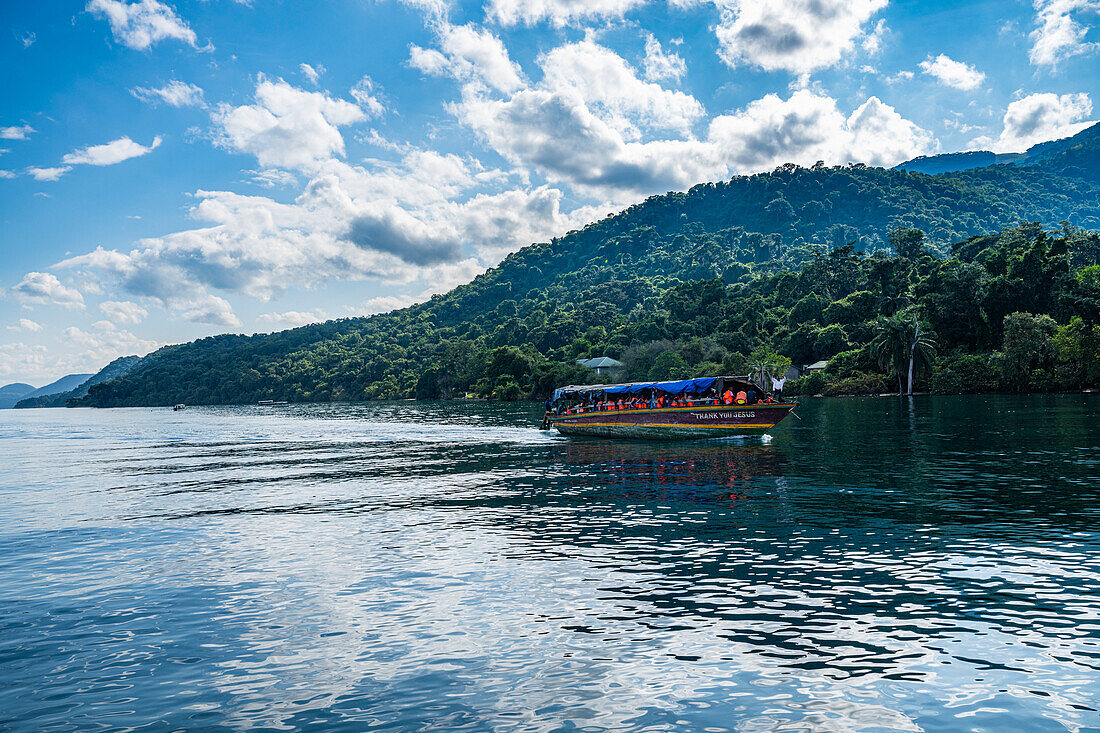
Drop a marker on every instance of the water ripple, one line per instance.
(880, 565)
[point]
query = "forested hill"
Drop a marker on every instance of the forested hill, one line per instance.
(614, 288)
(1078, 155)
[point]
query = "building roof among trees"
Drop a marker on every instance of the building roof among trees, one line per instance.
(600, 362)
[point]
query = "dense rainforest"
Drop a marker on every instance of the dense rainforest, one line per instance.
(993, 273)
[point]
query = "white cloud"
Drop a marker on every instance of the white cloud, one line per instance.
(28, 39)
(433, 10)
(174, 93)
(1058, 34)
(311, 73)
(205, 308)
(364, 93)
(612, 91)
(956, 124)
(382, 304)
(273, 177)
(1040, 117)
(18, 132)
(556, 12)
(287, 127)
(110, 153)
(872, 42)
(416, 221)
(105, 343)
(660, 64)
(903, 75)
(799, 36)
(808, 126)
(877, 135)
(27, 361)
(395, 231)
(293, 319)
(6, 174)
(75, 351)
(448, 277)
(123, 311)
(469, 55)
(953, 73)
(26, 324)
(48, 174)
(44, 288)
(592, 124)
(143, 23)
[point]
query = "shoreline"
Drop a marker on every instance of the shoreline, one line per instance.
(818, 396)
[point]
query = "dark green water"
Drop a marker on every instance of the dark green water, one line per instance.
(881, 565)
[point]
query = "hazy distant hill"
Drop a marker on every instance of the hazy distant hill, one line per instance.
(116, 368)
(12, 393)
(1077, 155)
(66, 383)
(614, 284)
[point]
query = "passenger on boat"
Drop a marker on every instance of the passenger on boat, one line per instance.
(741, 398)
(727, 397)
(750, 397)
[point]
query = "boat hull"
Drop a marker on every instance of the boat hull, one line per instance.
(674, 423)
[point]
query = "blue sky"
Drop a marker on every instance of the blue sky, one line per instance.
(175, 170)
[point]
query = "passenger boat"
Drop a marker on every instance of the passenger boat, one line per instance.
(704, 407)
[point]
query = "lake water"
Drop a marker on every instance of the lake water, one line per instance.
(880, 565)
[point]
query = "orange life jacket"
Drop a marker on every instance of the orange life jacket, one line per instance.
(741, 398)
(727, 397)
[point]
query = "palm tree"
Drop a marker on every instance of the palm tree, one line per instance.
(922, 347)
(890, 344)
(891, 302)
(764, 364)
(900, 340)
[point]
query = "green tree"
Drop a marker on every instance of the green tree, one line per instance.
(904, 346)
(766, 364)
(1076, 348)
(907, 243)
(1027, 350)
(508, 390)
(830, 340)
(669, 365)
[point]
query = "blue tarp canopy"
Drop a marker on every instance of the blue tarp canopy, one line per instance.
(688, 386)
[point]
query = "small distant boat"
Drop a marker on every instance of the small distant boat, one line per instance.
(179, 407)
(270, 403)
(704, 407)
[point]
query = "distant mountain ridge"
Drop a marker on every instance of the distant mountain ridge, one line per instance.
(66, 383)
(116, 368)
(1083, 147)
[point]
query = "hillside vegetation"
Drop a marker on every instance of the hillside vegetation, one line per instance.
(801, 263)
